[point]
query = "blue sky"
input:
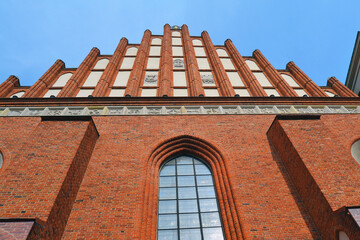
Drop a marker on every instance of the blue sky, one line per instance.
(318, 35)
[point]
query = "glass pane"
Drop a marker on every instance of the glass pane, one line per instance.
(204, 180)
(185, 170)
(167, 221)
(186, 181)
(210, 219)
(189, 220)
(206, 192)
(190, 234)
(208, 205)
(167, 235)
(167, 171)
(167, 206)
(184, 160)
(213, 234)
(167, 182)
(187, 206)
(172, 162)
(202, 169)
(197, 162)
(187, 192)
(167, 193)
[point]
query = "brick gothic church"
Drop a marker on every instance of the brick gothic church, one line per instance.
(178, 138)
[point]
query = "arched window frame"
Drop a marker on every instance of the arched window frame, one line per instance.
(189, 145)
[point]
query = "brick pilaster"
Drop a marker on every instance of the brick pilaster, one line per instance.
(45, 81)
(166, 64)
(196, 88)
(340, 88)
(305, 81)
(111, 70)
(274, 75)
(81, 72)
(219, 70)
(246, 73)
(9, 84)
(134, 82)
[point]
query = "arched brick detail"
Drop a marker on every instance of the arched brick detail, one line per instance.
(205, 151)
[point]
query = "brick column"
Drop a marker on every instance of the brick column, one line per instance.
(166, 64)
(81, 72)
(9, 84)
(274, 75)
(45, 81)
(305, 81)
(340, 88)
(196, 88)
(224, 83)
(134, 82)
(111, 70)
(246, 74)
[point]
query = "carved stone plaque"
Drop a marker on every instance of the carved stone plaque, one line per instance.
(207, 79)
(178, 63)
(150, 79)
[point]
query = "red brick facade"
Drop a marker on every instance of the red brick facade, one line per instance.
(75, 169)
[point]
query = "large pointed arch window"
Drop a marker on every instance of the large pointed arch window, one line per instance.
(188, 207)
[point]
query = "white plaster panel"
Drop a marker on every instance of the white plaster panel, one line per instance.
(117, 93)
(18, 94)
(242, 92)
(92, 79)
(179, 79)
(330, 94)
(226, 62)
(180, 93)
(300, 92)
(176, 34)
(235, 79)
(264, 82)
(355, 151)
(290, 80)
(272, 92)
(62, 80)
(101, 64)
(200, 52)
(148, 92)
(221, 52)
(122, 78)
(156, 41)
(84, 92)
(197, 42)
(155, 51)
(153, 63)
(177, 51)
(131, 51)
(176, 41)
(127, 63)
(252, 65)
(203, 63)
(153, 76)
(211, 93)
(54, 92)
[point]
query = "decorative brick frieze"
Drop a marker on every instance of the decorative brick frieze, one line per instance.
(219, 70)
(8, 85)
(245, 72)
(305, 81)
(103, 87)
(166, 64)
(274, 75)
(340, 88)
(79, 77)
(195, 86)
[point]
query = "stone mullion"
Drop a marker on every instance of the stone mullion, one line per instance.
(9, 84)
(246, 74)
(224, 83)
(274, 75)
(45, 81)
(305, 81)
(110, 72)
(132, 88)
(196, 88)
(78, 78)
(166, 63)
(340, 88)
